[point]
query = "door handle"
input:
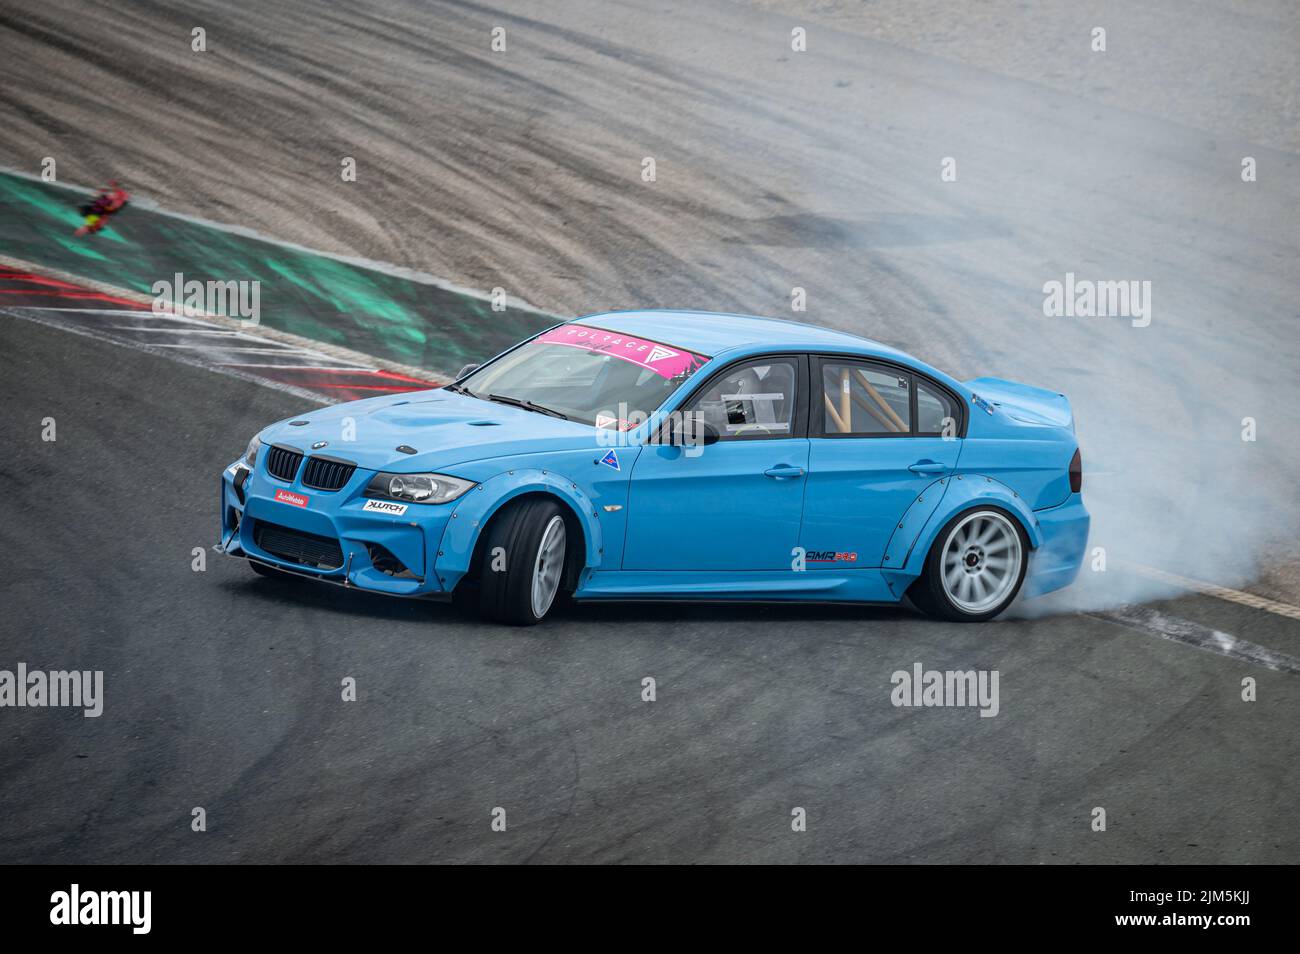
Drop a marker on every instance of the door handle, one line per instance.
(783, 471)
(928, 467)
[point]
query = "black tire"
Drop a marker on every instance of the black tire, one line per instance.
(928, 593)
(506, 595)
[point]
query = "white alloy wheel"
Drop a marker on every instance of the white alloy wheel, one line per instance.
(981, 561)
(549, 566)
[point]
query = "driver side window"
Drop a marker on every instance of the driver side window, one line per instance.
(752, 400)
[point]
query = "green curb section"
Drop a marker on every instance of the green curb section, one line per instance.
(304, 293)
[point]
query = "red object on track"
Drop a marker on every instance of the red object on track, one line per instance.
(108, 202)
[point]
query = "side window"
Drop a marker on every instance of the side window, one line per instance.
(936, 412)
(864, 399)
(754, 400)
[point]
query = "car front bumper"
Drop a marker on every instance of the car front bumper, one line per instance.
(329, 536)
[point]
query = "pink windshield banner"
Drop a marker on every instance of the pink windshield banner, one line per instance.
(659, 358)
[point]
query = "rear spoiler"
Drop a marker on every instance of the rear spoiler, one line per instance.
(1024, 403)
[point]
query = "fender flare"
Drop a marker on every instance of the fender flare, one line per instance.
(965, 491)
(476, 507)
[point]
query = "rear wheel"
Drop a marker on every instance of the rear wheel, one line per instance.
(975, 567)
(523, 562)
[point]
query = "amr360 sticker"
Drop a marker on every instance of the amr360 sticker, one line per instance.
(831, 556)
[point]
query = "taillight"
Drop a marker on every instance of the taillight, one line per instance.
(1076, 473)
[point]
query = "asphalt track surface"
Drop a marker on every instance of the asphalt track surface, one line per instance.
(223, 689)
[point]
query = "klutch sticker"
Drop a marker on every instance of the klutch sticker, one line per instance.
(385, 506)
(610, 460)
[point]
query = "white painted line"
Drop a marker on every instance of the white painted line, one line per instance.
(178, 331)
(335, 352)
(1222, 592)
(210, 348)
(296, 367)
(315, 399)
(98, 311)
(148, 329)
(149, 318)
(1147, 620)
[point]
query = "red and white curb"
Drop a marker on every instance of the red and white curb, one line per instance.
(254, 353)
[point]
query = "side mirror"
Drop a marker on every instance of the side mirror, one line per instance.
(466, 370)
(696, 432)
(707, 434)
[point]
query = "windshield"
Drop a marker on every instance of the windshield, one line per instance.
(587, 374)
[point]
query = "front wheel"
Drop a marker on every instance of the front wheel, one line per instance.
(523, 562)
(975, 567)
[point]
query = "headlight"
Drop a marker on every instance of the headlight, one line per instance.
(417, 488)
(250, 452)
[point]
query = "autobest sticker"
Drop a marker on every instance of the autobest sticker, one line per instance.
(662, 360)
(287, 496)
(385, 506)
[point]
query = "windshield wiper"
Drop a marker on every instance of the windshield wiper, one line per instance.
(458, 389)
(526, 405)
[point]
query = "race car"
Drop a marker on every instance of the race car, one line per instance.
(648, 455)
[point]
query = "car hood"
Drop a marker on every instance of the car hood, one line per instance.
(444, 428)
